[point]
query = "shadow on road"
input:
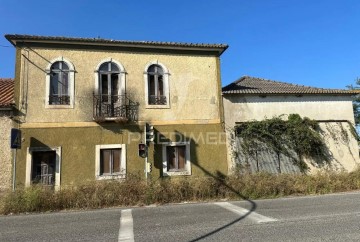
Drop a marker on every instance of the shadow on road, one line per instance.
(219, 177)
(221, 180)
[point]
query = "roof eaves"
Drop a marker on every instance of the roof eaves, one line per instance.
(14, 38)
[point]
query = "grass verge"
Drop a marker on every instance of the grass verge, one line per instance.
(135, 191)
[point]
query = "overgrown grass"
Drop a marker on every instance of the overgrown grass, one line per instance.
(135, 191)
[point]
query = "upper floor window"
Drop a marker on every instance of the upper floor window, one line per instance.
(157, 86)
(109, 85)
(109, 98)
(60, 84)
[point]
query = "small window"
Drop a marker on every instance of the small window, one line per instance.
(156, 78)
(176, 159)
(110, 161)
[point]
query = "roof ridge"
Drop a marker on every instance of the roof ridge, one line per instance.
(258, 85)
(292, 84)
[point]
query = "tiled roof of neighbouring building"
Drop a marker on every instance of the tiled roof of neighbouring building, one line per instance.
(254, 85)
(6, 92)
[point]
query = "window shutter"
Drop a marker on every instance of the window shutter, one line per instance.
(116, 160)
(181, 157)
(105, 162)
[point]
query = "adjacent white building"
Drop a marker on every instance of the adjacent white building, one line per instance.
(250, 98)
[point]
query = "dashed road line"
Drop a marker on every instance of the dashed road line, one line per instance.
(126, 231)
(242, 212)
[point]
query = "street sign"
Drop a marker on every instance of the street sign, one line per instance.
(15, 140)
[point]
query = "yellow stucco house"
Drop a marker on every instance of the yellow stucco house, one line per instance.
(83, 103)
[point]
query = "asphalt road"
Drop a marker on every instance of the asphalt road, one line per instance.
(333, 217)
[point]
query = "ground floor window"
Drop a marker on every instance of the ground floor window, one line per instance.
(110, 161)
(43, 166)
(176, 159)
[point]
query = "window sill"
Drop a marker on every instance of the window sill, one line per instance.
(150, 106)
(59, 106)
(177, 173)
(111, 177)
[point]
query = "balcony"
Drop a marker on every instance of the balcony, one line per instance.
(117, 108)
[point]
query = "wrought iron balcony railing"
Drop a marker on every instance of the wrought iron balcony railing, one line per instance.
(157, 100)
(59, 100)
(114, 107)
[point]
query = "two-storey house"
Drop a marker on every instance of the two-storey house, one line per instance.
(82, 105)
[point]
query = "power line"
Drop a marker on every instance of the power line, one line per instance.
(5, 46)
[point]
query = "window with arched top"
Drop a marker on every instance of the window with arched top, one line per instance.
(109, 97)
(157, 86)
(109, 86)
(60, 84)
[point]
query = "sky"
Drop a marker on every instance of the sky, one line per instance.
(306, 42)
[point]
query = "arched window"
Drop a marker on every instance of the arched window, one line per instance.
(60, 84)
(109, 98)
(156, 85)
(156, 78)
(109, 86)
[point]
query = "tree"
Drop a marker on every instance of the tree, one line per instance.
(356, 102)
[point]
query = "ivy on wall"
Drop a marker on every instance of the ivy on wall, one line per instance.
(296, 135)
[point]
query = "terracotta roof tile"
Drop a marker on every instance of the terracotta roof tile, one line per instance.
(254, 85)
(6, 92)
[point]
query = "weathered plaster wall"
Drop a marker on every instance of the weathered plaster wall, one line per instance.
(5, 151)
(345, 155)
(193, 81)
(246, 108)
(207, 148)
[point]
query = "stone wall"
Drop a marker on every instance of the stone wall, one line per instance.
(5, 151)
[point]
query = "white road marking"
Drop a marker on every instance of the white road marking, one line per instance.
(126, 231)
(242, 211)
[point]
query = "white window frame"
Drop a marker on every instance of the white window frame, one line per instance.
(71, 84)
(29, 163)
(122, 76)
(98, 176)
(187, 171)
(166, 85)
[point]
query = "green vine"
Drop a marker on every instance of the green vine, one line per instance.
(295, 135)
